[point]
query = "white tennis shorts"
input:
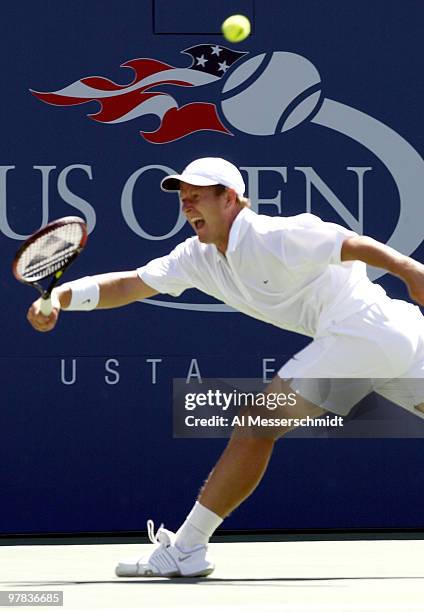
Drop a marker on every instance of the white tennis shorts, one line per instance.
(380, 348)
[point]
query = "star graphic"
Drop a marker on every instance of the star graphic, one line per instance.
(213, 59)
(201, 61)
(216, 50)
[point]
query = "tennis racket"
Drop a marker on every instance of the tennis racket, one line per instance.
(47, 254)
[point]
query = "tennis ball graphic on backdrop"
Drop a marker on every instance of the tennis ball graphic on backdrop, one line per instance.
(285, 92)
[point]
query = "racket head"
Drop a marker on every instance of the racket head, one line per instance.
(50, 250)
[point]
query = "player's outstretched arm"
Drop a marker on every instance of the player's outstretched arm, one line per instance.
(119, 289)
(115, 289)
(377, 254)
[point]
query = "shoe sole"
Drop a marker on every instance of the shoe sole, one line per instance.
(203, 573)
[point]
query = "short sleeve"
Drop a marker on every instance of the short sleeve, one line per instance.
(169, 274)
(307, 240)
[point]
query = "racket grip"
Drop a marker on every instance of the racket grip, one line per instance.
(46, 306)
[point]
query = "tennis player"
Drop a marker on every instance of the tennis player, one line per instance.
(297, 273)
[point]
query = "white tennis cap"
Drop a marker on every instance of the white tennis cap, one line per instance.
(207, 171)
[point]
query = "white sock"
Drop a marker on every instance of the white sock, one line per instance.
(197, 528)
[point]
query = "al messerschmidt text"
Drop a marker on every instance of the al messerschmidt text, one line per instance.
(258, 421)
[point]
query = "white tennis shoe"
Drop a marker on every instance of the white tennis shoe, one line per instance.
(166, 559)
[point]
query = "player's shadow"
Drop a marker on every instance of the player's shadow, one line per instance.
(204, 580)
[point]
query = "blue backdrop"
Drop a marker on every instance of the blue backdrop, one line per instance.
(323, 112)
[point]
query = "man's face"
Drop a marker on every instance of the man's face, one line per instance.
(209, 214)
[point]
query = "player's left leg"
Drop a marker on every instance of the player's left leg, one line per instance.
(235, 476)
(245, 459)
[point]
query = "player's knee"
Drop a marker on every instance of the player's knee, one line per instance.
(254, 423)
(420, 407)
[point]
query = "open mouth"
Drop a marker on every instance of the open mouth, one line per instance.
(198, 223)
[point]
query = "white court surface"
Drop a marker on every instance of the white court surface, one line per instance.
(317, 576)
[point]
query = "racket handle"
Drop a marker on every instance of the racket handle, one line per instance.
(46, 306)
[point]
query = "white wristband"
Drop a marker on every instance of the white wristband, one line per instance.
(85, 294)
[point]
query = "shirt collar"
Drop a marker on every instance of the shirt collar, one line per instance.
(238, 229)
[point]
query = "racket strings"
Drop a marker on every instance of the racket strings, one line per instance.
(49, 252)
(44, 270)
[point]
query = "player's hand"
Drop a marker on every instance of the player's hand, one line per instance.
(414, 280)
(40, 322)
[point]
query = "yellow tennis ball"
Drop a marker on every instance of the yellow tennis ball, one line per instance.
(236, 28)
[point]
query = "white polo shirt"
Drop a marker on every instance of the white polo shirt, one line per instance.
(285, 271)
